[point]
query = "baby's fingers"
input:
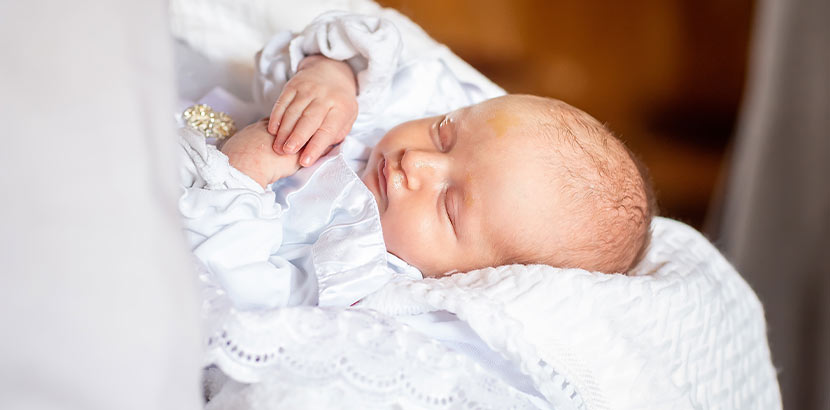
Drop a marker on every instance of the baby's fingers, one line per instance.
(292, 116)
(308, 124)
(312, 151)
(332, 131)
(277, 112)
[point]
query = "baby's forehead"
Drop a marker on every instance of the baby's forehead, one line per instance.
(548, 135)
(496, 120)
(512, 127)
(526, 116)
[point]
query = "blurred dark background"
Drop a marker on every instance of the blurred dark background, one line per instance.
(666, 75)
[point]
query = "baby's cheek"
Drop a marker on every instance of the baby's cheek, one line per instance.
(416, 244)
(395, 238)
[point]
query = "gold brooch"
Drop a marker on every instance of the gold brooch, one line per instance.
(213, 124)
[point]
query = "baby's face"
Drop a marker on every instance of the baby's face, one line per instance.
(456, 192)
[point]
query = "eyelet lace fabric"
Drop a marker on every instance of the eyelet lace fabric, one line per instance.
(308, 357)
(311, 357)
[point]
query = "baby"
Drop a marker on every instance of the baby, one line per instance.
(514, 179)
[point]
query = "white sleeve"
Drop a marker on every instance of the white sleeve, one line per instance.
(402, 73)
(234, 228)
(370, 45)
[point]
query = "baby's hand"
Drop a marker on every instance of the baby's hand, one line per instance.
(249, 151)
(316, 109)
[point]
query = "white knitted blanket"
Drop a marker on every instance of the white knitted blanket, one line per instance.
(684, 332)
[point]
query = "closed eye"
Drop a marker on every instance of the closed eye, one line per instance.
(443, 135)
(445, 198)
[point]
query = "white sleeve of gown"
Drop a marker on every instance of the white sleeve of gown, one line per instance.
(234, 228)
(402, 73)
(370, 45)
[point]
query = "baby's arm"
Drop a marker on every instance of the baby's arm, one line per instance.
(249, 151)
(316, 109)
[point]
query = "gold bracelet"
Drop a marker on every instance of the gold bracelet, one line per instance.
(212, 124)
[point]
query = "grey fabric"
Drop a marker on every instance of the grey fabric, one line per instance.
(775, 225)
(98, 300)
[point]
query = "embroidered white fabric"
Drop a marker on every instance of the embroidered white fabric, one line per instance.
(326, 357)
(306, 357)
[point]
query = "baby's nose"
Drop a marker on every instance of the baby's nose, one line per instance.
(423, 167)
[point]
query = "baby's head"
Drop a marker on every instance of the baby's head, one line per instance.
(515, 179)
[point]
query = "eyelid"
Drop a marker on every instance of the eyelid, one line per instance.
(436, 134)
(446, 206)
(443, 128)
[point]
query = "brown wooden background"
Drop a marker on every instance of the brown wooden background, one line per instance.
(666, 75)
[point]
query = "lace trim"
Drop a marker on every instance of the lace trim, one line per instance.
(363, 355)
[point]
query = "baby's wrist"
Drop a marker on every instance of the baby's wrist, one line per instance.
(337, 67)
(312, 60)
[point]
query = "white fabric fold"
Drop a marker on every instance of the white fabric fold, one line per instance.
(234, 228)
(332, 228)
(315, 239)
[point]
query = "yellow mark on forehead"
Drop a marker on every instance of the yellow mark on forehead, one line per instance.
(501, 122)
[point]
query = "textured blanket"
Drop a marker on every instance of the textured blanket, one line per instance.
(684, 332)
